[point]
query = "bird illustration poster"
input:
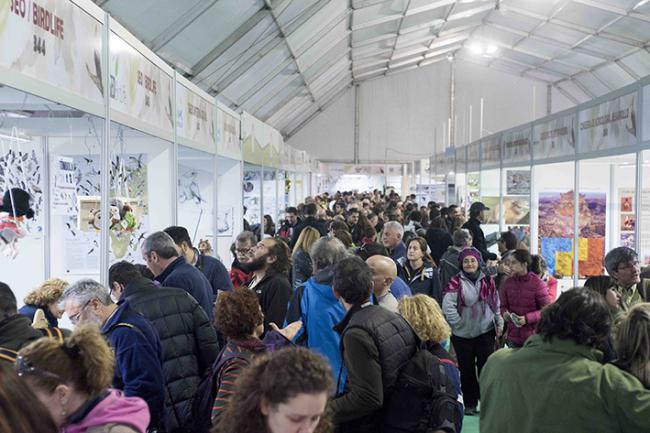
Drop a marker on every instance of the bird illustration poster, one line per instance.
(609, 125)
(64, 186)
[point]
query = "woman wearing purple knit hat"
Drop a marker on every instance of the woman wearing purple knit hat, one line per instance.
(471, 306)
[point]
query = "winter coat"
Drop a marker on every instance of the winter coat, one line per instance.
(438, 240)
(524, 295)
(398, 252)
(376, 344)
(238, 276)
(320, 311)
(424, 280)
(215, 272)
(188, 340)
(138, 358)
(273, 293)
(478, 239)
(400, 289)
(448, 266)
(471, 308)
(182, 275)
(16, 332)
(559, 386)
(112, 412)
(309, 221)
(29, 310)
(301, 268)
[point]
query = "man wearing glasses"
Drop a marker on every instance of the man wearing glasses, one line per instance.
(622, 264)
(138, 352)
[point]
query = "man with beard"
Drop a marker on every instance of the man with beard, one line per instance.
(269, 263)
(138, 352)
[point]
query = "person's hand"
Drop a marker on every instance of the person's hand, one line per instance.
(289, 331)
(521, 320)
(504, 269)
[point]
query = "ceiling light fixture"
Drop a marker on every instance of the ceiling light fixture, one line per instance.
(485, 49)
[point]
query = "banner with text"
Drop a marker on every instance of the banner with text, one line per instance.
(555, 138)
(608, 125)
(195, 118)
(228, 140)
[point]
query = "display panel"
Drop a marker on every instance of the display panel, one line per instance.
(490, 191)
(491, 152)
(516, 146)
(139, 171)
(555, 138)
(608, 125)
(229, 205)
(196, 207)
(515, 215)
(552, 211)
(270, 194)
(643, 218)
(252, 185)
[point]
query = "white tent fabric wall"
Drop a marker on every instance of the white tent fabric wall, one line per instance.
(403, 113)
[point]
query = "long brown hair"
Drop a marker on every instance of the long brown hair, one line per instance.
(20, 410)
(633, 340)
(275, 378)
(423, 247)
(84, 360)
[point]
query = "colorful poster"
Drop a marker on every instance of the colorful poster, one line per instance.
(516, 146)
(195, 118)
(518, 182)
(138, 88)
(555, 214)
(554, 138)
(609, 125)
(54, 41)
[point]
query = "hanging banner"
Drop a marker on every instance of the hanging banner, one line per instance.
(473, 156)
(608, 125)
(490, 152)
(555, 138)
(258, 141)
(516, 146)
(195, 118)
(139, 88)
(54, 41)
(228, 136)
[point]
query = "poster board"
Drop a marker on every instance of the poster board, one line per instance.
(609, 125)
(228, 134)
(491, 152)
(195, 119)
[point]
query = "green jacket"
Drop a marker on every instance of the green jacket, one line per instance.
(560, 387)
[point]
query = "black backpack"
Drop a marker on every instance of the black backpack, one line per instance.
(206, 392)
(423, 398)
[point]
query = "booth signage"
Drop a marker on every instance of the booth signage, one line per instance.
(195, 118)
(53, 41)
(555, 138)
(261, 143)
(228, 142)
(491, 152)
(609, 125)
(138, 88)
(516, 146)
(473, 156)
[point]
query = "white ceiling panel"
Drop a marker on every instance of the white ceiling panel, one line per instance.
(580, 60)
(631, 28)
(605, 47)
(564, 34)
(591, 85)
(585, 16)
(376, 30)
(614, 76)
(514, 20)
(540, 47)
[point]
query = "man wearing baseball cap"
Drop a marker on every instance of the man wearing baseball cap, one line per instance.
(476, 216)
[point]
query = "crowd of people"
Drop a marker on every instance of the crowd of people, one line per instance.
(356, 313)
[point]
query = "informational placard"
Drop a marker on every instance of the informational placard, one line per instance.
(195, 119)
(491, 152)
(473, 156)
(555, 138)
(54, 41)
(609, 125)
(138, 88)
(64, 186)
(228, 135)
(516, 146)
(424, 193)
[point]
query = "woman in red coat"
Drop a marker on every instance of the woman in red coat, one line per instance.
(523, 295)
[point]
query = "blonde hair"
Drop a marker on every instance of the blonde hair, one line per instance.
(84, 360)
(425, 316)
(307, 239)
(633, 343)
(49, 292)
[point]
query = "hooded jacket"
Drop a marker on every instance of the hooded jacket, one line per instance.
(471, 308)
(424, 280)
(524, 295)
(16, 332)
(110, 413)
(320, 311)
(188, 340)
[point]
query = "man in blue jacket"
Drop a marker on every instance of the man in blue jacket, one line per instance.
(138, 352)
(213, 269)
(161, 256)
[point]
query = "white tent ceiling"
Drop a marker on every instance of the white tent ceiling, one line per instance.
(284, 61)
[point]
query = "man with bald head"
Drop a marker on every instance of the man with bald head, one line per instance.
(384, 272)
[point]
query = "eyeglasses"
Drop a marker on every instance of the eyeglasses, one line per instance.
(75, 317)
(243, 251)
(23, 367)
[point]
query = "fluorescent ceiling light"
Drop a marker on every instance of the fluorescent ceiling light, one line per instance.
(491, 49)
(476, 48)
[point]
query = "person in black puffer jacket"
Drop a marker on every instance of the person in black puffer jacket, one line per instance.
(188, 339)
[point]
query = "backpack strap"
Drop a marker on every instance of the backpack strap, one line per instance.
(54, 333)
(8, 354)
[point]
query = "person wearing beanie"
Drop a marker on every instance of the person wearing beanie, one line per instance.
(471, 306)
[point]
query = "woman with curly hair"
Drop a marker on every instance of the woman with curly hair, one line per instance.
(46, 298)
(239, 318)
(72, 380)
(284, 392)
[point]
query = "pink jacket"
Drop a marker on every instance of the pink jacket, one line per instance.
(525, 296)
(115, 409)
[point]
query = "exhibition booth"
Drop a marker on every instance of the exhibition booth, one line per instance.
(580, 177)
(93, 124)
